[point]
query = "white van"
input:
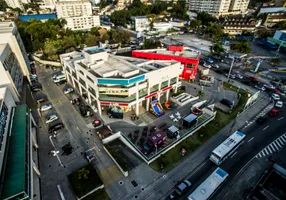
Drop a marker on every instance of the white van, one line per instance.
(59, 78)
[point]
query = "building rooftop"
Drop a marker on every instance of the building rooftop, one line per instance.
(187, 53)
(15, 177)
(7, 27)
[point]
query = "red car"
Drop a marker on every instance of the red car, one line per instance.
(273, 112)
(275, 91)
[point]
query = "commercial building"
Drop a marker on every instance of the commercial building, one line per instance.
(278, 39)
(219, 7)
(190, 59)
(140, 23)
(18, 171)
(106, 80)
(238, 24)
(10, 70)
(9, 34)
(78, 14)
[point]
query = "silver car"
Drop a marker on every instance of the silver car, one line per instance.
(46, 107)
(51, 118)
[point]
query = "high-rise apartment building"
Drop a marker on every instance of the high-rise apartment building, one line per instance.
(219, 7)
(15, 4)
(78, 14)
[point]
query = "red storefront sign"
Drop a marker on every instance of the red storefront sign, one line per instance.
(113, 103)
(151, 95)
(167, 88)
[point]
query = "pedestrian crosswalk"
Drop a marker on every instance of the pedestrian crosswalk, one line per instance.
(276, 145)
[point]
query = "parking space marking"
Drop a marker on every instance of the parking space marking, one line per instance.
(250, 139)
(280, 118)
(266, 127)
(234, 154)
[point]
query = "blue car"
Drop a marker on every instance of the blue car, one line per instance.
(209, 60)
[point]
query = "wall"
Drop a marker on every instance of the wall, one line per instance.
(46, 62)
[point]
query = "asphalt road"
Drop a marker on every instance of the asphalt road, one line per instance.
(257, 137)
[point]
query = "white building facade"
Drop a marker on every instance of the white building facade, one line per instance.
(105, 79)
(78, 14)
(219, 7)
(10, 70)
(15, 4)
(140, 23)
(9, 34)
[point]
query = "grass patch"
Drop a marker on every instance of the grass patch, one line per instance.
(98, 195)
(169, 159)
(84, 180)
(117, 157)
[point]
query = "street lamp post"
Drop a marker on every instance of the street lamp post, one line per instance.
(55, 151)
(230, 69)
(277, 51)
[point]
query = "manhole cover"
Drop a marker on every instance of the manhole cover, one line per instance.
(136, 197)
(134, 183)
(120, 182)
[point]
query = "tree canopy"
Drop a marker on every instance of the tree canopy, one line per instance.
(241, 46)
(206, 18)
(217, 48)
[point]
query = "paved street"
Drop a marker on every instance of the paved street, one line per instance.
(76, 133)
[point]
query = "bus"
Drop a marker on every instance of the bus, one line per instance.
(228, 147)
(59, 78)
(209, 186)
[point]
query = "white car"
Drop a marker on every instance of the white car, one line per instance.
(279, 104)
(232, 76)
(269, 86)
(239, 76)
(51, 118)
(275, 97)
(215, 66)
(46, 107)
(206, 65)
(68, 90)
(261, 88)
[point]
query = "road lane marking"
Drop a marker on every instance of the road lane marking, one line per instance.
(266, 152)
(283, 139)
(275, 145)
(250, 139)
(270, 150)
(272, 147)
(234, 154)
(266, 127)
(280, 118)
(281, 142)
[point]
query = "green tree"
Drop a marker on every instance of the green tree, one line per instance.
(214, 30)
(179, 10)
(3, 5)
(194, 24)
(90, 40)
(52, 48)
(150, 44)
(241, 47)
(82, 173)
(206, 18)
(217, 48)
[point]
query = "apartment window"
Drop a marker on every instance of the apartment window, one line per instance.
(90, 79)
(91, 90)
(68, 69)
(74, 75)
(82, 82)
(81, 72)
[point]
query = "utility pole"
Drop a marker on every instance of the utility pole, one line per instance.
(230, 69)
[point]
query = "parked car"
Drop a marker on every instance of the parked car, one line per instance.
(209, 60)
(261, 120)
(46, 107)
(276, 97)
(279, 104)
(68, 90)
(182, 187)
(260, 87)
(51, 118)
(54, 68)
(239, 76)
(61, 82)
(232, 76)
(88, 155)
(41, 98)
(269, 86)
(207, 65)
(227, 103)
(215, 66)
(56, 127)
(273, 112)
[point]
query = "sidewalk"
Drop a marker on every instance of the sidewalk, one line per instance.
(161, 186)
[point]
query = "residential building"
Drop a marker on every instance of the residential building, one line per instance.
(10, 70)
(78, 14)
(238, 24)
(15, 4)
(140, 23)
(18, 171)
(107, 80)
(219, 7)
(9, 34)
(182, 54)
(274, 18)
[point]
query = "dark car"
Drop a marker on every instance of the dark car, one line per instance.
(227, 103)
(56, 127)
(261, 120)
(182, 187)
(115, 114)
(61, 82)
(36, 84)
(42, 98)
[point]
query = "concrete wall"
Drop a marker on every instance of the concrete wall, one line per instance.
(46, 62)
